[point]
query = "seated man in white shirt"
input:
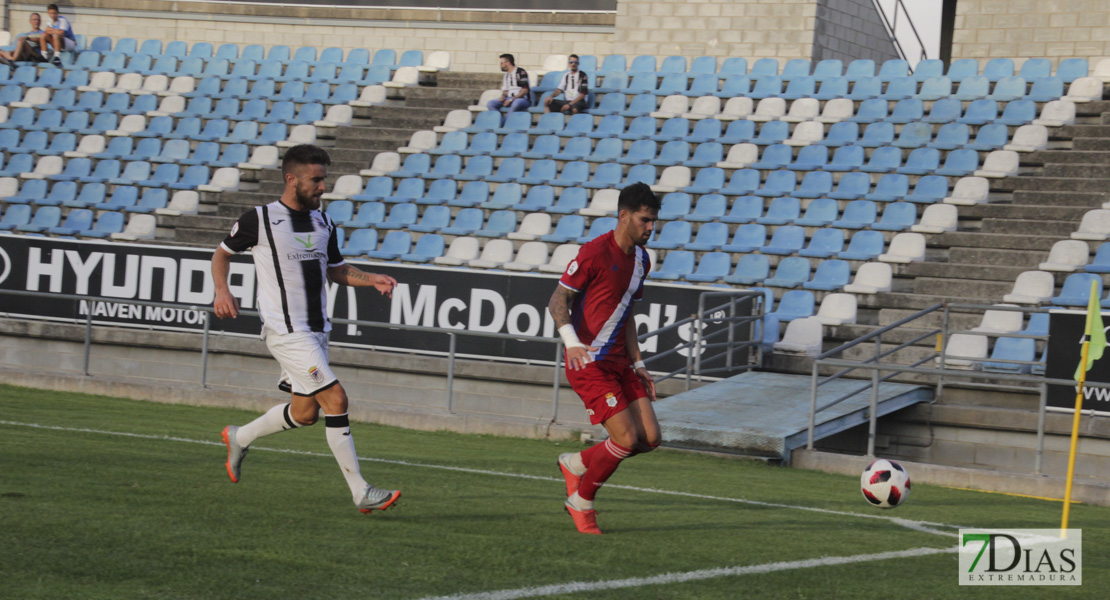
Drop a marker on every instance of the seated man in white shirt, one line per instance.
(574, 87)
(58, 36)
(26, 45)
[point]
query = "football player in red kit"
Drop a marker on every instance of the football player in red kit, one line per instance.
(592, 308)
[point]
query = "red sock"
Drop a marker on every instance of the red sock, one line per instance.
(601, 461)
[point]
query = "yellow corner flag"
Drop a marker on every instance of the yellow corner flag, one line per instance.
(1094, 333)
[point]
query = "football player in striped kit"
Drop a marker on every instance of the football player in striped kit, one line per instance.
(296, 252)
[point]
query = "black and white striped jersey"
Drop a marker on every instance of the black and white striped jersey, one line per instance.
(292, 251)
(574, 83)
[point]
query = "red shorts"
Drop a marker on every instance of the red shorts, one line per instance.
(606, 387)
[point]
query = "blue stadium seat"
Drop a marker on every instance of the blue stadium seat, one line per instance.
(815, 184)
(909, 110)
(791, 272)
(710, 237)
(549, 123)
(775, 156)
(505, 196)
(706, 154)
(1035, 68)
(828, 69)
(929, 189)
(673, 234)
(637, 174)
(1101, 262)
(832, 87)
(958, 163)
(734, 86)
(858, 214)
(1071, 69)
(810, 158)
(788, 239)
(876, 135)
(1046, 89)
(613, 83)
(990, 137)
(781, 211)
(846, 158)
(122, 197)
(567, 229)
(539, 198)
(819, 212)
(14, 216)
(541, 172)
(467, 222)
(708, 181)
(893, 69)
(644, 151)
(510, 169)
(45, 218)
(481, 144)
(890, 187)
(408, 189)
(1009, 348)
(477, 167)
(744, 182)
(60, 193)
(914, 135)
(831, 275)
(748, 238)
(921, 161)
(1018, 112)
(705, 131)
(951, 136)
(794, 304)
(598, 227)
(340, 211)
(825, 243)
(745, 209)
(415, 165)
(768, 86)
(864, 88)
(434, 219)
(900, 88)
(897, 216)
(607, 150)
(802, 87)
(75, 169)
(675, 205)
(1008, 89)
(445, 166)
(778, 183)
(675, 128)
(104, 171)
(710, 207)
(677, 264)
(885, 159)
(980, 112)
(499, 224)
(453, 142)
(472, 194)
(711, 267)
(360, 242)
(704, 84)
(1077, 288)
(370, 214)
(750, 269)
(864, 245)
(401, 216)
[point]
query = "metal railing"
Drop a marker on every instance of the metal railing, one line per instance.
(891, 25)
(940, 355)
(691, 370)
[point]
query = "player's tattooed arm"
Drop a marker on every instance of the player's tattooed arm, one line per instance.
(559, 305)
(352, 276)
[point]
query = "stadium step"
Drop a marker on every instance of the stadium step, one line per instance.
(1091, 144)
(957, 319)
(1040, 227)
(963, 271)
(1078, 170)
(995, 240)
(1050, 157)
(996, 256)
(1087, 200)
(1042, 183)
(985, 291)
(461, 79)
(1035, 212)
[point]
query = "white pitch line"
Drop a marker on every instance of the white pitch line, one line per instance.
(922, 526)
(701, 575)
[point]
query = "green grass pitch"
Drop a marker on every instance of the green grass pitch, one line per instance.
(117, 499)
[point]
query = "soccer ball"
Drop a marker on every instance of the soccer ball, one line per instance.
(885, 483)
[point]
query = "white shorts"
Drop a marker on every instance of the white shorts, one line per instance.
(303, 356)
(68, 44)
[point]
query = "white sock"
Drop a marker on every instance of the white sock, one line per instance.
(575, 463)
(338, 430)
(273, 421)
(579, 502)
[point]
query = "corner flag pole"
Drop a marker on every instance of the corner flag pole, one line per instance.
(1094, 343)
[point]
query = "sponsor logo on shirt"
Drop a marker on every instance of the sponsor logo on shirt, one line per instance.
(572, 268)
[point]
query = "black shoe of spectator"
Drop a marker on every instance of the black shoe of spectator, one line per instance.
(57, 61)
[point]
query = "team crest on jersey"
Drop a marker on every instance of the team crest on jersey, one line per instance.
(572, 268)
(590, 411)
(315, 374)
(610, 400)
(235, 229)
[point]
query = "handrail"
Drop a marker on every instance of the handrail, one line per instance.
(879, 332)
(893, 33)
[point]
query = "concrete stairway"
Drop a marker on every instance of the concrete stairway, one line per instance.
(352, 148)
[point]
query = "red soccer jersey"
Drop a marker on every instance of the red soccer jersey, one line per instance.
(607, 281)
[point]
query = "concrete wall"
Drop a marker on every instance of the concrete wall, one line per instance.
(1020, 29)
(752, 29)
(850, 29)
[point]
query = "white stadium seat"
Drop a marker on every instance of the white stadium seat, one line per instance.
(672, 178)
(128, 125)
(32, 98)
(184, 84)
(484, 100)
(462, 249)
(371, 95)
(225, 179)
(495, 253)
(905, 248)
(338, 115)
(1084, 89)
(421, 141)
(560, 258)
(1094, 227)
(769, 109)
(383, 164)
(705, 107)
(1102, 70)
(1028, 138)
(89, 145)
(436, 61)
(345, 187)
(168, 106)
(602, 204)
(404, 77)
(263, 157)
(139, 227)
(99, 82)
(871, 278)
(155, 84)
(127, 83)
(1000, 163)
(969, 347)
(1032, 287)
(740, 156)
(183, 202)
(45, 167)
(1057, 114)
(553, 62)
(803, 336)
(1000, 321)
(672, 106)
(532, 226)
(1066, 256)
(837, 110)
(838, 309)
(969, 191)
(300, 134)
(806, 133)
(803, 109)
(736, 108)
(529, 258)
(456, 120)
(938, 218)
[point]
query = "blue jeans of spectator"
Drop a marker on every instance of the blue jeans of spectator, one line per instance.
(516, 106)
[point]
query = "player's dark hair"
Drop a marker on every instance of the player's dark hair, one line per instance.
(305, 154)
(572, 56)
(637, 196)
(52, 7)
(35, 15)
(509, 57)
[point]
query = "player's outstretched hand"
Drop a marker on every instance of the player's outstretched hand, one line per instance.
(579, 357)
(648, 381)
(225, 305)
(385, 284)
